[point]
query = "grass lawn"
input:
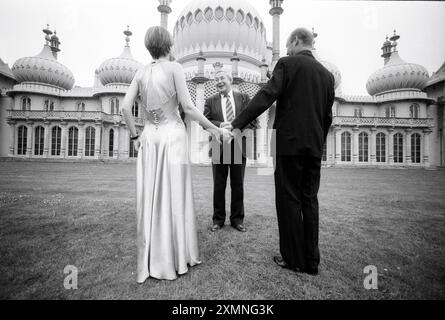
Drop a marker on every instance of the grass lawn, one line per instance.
(83, 214)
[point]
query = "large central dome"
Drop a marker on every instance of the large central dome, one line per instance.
(219, 27)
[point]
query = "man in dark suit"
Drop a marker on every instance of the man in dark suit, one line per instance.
(304, 91)
(221, 109)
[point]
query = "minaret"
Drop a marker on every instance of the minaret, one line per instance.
(55, 43)
(387, 47)
(276, 12)
(165, 10)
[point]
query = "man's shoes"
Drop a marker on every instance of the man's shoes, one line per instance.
(215, 228)
(283, 264)
(311, 271)
(240, 228)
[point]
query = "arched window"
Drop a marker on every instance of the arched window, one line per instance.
(219, 13)
(398, 148)
(346, 147)
(325, 153)
(363, 143)
(49, 105)
(240, 16)
(390, 112)
(56, 139)
(230, 14)
(133, 152)
(22, 140)
(415, 148)
(414, 111)
(189, 18)
(26, 103)
(73, 141)
(249, 19)
(256, 23)
(114, 105)
(381, 147)
(182, 22)
(90, 137)
(135, 110)
(39, 141)
(208, 13)
(111, 143)
(198, 15)
(81, 107)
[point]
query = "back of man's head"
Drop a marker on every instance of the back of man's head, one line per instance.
(304, 35)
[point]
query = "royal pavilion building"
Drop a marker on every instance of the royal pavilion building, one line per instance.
(44, 116)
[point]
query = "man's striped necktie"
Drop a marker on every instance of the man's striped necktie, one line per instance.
(229, 109)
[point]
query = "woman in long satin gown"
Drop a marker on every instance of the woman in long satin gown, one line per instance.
(167, 241)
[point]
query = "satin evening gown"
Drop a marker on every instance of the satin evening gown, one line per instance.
(167, 241)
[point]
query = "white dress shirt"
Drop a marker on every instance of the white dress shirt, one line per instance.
(223, 105)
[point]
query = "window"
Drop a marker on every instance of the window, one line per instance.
(198, 15)
(415, 148)
(346, 147)
(414, 111)
(358, 112)
(240, 16)
(133, 152)
(111, 144)
(208, 13)
(39, 141)
(73, 141)
(22, 140)
(256, 24)
(325, 153)
(26, 103)
(114, 104)
(219, 13)
(390, 112)
(249, 19)
(182, 22)
(363, 147)
(381, 147)
(398, 148)
(56, 139)
(135, 110)
(81, 107)
(230, 14)
(90, 136)
(49, 105)
(189, 18)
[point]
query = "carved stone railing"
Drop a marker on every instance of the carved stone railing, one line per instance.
(383, 122)
(97, 116)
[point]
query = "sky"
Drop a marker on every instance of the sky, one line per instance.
(350, 33)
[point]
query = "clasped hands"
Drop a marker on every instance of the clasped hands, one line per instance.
(225, 132)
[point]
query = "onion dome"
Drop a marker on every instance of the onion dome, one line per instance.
(5, 70)
(120, 70)
(44, 67)
(397, 75)
(219, 27)
(438, 76)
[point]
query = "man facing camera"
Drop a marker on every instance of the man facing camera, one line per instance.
(221, 109)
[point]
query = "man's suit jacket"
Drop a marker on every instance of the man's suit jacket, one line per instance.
(213, 111)
(304, 91)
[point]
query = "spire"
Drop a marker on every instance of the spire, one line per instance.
(48, 32)
(315, 36)
(165, 10)
(394, 39)
(127, 34)
(276, 11)
(386, 48)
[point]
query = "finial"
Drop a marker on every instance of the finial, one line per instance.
(394, 39)
(47, 33)
(314, 33)
(127, 34)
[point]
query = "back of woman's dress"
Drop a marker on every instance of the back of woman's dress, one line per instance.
(166, 226)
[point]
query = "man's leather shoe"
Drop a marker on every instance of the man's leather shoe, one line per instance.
(312, 271)
(241, 228)
(283, 264)
(215, 228)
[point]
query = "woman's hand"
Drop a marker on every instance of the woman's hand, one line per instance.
(137, 144)
(227, 136)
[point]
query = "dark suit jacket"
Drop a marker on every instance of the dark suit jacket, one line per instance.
(213, 112)
(304, 91)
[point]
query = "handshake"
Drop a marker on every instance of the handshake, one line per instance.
(223, 133)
